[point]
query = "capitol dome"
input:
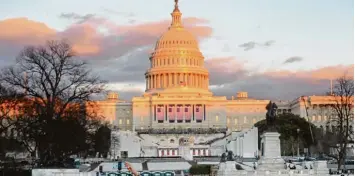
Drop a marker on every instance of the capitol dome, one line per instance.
(176, 61)
(177, 38)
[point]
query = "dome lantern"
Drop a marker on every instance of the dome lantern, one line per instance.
(176, 16)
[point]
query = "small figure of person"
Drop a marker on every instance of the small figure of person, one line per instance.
(254, 166)
(291, 165)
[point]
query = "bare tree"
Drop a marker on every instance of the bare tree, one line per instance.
(57, 86)
(8, 102)
(115, 144)
(342, 106)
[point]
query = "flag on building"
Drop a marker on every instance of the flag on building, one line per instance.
(198, 113)
(180, 113)
(171, 113)
(188, 112)
(160, 113)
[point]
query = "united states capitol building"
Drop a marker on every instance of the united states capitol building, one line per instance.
(178, 115)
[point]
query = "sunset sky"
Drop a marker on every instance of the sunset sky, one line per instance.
(277, 49)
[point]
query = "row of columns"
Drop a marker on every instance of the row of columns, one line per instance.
(175, 152)
(196, 113)
(172, 79)
(156, 62)
(168, 152)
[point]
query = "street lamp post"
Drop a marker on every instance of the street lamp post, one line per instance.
(298, 143)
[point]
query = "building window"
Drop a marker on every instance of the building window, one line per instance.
(127, 121)
(227, 120)
(235, 121)
(254, 120)
(319, 118)
(172, 141)
(245, 119)
(120, 122)
(141, 118)
(313, 118)
(217, 118)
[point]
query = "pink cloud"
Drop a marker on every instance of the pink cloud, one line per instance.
(86, 39)
(25, 31)
(330, 72)
(157, 28)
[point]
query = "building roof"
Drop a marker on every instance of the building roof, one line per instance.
(176, 38)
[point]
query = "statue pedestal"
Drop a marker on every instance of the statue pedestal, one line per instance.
(185, 153)
(321, 168)
(270, 152)
(227, 168)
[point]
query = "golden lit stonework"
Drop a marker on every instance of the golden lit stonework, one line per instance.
(177, 94)
(177, 65)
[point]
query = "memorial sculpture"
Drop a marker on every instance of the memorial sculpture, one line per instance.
(271, 116)
(270, 143)
(227, 156)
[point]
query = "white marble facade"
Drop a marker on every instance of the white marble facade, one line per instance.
(243, 144)
(162, 112)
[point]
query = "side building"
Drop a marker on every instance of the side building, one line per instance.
(315, 109)
(113, 110)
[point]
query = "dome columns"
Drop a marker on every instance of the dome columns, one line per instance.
(177, 60)
(159, 62)
(166, 80)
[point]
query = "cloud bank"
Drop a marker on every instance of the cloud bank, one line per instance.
(120, 56)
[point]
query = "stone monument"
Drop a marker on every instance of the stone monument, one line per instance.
(270, 143)
(184, 148)
(227, 165)
(321, 167)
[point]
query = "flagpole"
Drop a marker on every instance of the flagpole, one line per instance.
(331, 86)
